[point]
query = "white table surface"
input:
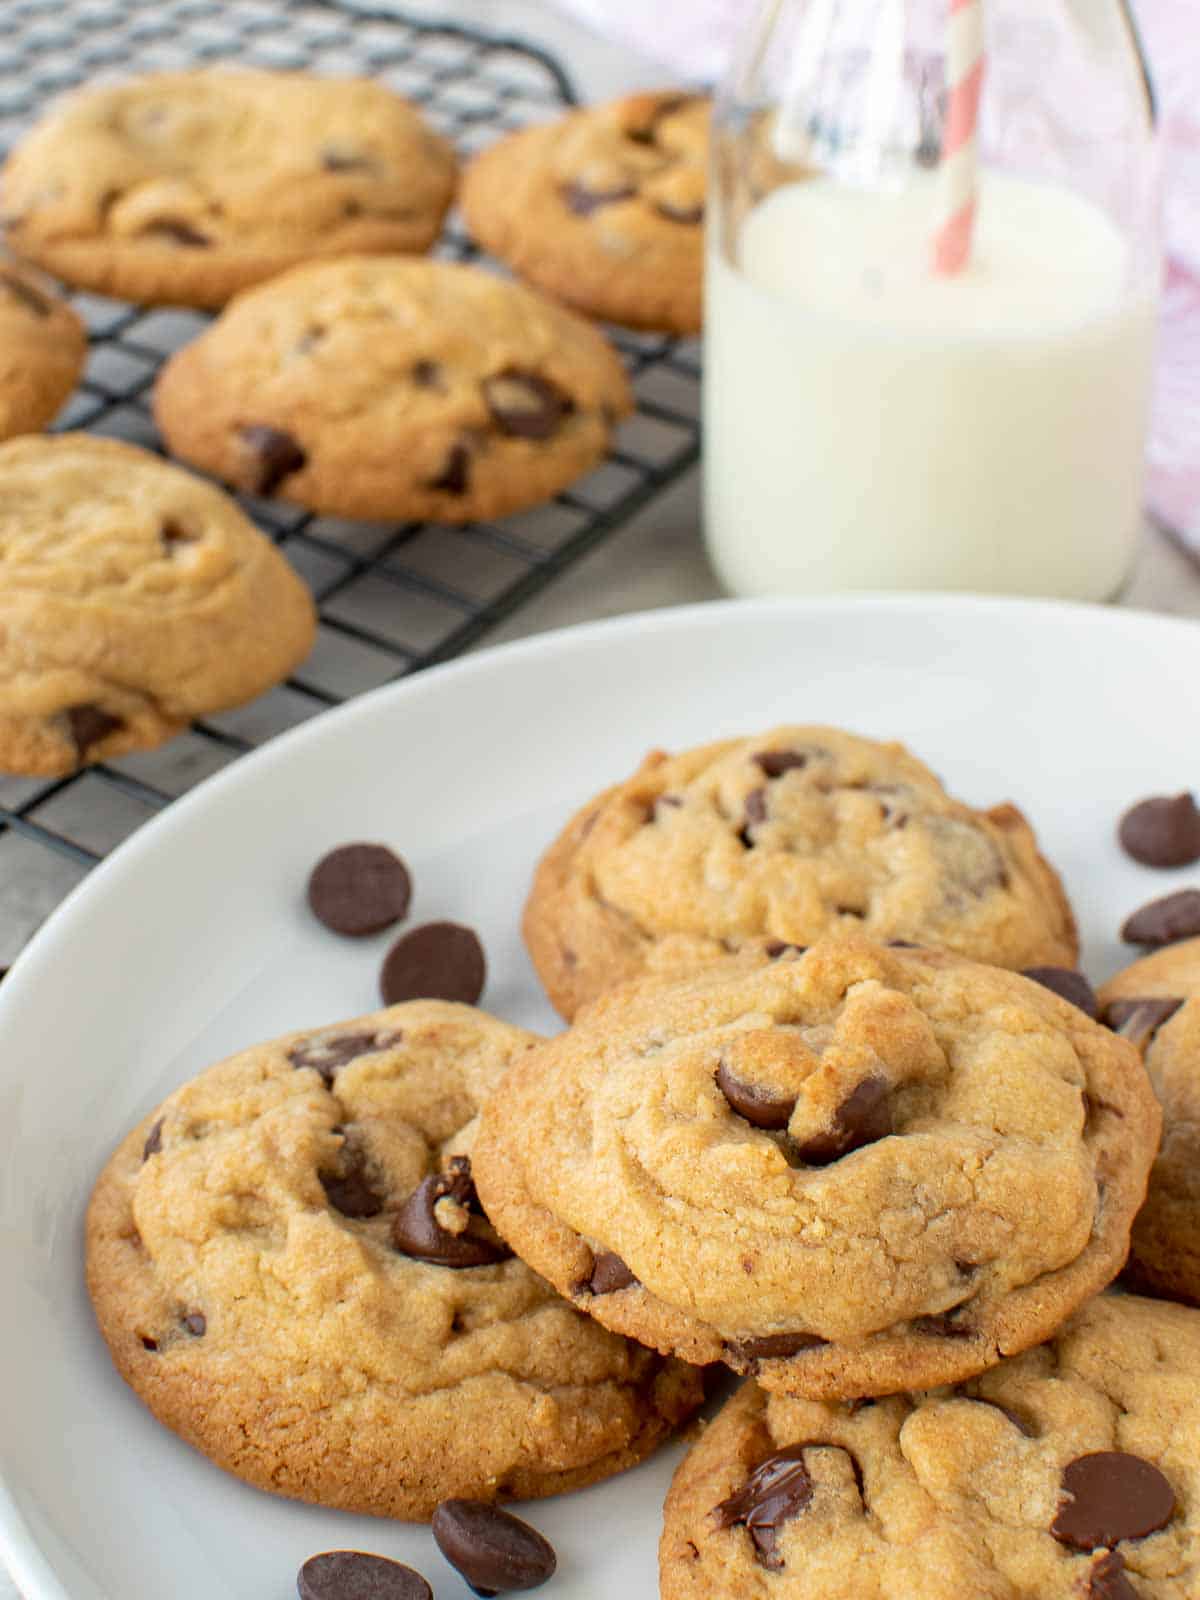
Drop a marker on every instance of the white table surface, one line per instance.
(657, 559)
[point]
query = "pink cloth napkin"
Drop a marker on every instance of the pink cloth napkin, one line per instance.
(692, 38)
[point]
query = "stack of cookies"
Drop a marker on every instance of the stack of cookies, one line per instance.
(346, 376)
(833, 1113)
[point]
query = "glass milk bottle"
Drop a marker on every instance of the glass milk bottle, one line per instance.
(933, 279)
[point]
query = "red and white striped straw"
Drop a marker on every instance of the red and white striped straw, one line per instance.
(960, 149)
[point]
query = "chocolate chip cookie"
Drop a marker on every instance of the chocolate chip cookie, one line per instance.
(291, 1268)
(849, 1172)
(1155, 1003)
(182, 188)
(779, 839)
(133, 598)
(43, 345)
(603, 209)
(1069, 1473)
(378, 389)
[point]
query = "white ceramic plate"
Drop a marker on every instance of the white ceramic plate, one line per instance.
(193, 942)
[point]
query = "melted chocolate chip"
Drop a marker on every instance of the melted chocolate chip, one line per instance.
(756, 812)
(427, 375)
(326, 1053)
(148, 1343)
(153, 1142)
(1165, 921)
(196, 1324)
(760, 1107)
(779, 947)
(525, 405)
(864, 1117)
(90, 724)
(359, 889)
(1110, 1496)
(417, 1232)
(583, 201)
(354, 1575)
(455, 476)
(275, 455)
(1139, 1020)
(609, 1273)
(1068, 985)
(173, 533)
(496, 1552)
(439, 961)
(173, 231)
(1163, 832)
(685, 214)
(1106, 1579)
(778, 1490)
(745, 1354)
(944, 1325)
(774, 763)
(350, 1190)
(25, 295)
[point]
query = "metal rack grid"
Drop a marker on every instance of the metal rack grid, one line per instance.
(392, 598)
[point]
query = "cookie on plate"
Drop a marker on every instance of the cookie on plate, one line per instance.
(1156, 1004)
(850, 1172)
(133, 598)
(783, 838)
(377, 389)
(1070, 1473)
(604, 208)
(43, 346)
(182, 188)
(290, 1267)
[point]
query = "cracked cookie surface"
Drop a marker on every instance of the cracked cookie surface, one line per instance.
(43, 345)
(368, 388)
(133, 598)
(1156, 1004)
(604, 208)
(1069, 1473)
(785, 837)
(288, 1262)
(850, 1172)
(183, 188)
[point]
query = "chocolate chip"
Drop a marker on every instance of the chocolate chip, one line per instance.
(864, 1117)
(609, 1273)
(90, 724)
(275, 455)
(1068, 985)
(673, 213)
(173, 533)
(779, 947)
(1110, 1496)
(25, 295)
(777, 1490)
(153, 1142)
(496, 1552)
(196, 1324)
(427, 375)
(359, 889)
(744, 1354)
(440, 961)
(354, 1575)
(903, 944)
(760, 1107)
(774, 763)
(525, 405)
(1106, 1579)
(1139, 1020)
(148, 1343)
(350, 1190)
(177, 232)
(326, 1053)
(1163, 832)
(334, 160)
(455, 476)
(944, 1325)
(583, 201)
(417, 1232)
(1165, 921)
(756, 812)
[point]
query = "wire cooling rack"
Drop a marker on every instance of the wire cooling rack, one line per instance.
(392, 598)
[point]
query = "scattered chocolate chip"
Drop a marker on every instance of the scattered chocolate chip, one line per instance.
(196, 1324)
(176, 232)
(455, 476)
(1139, 1020)
(439, 961)
(173, 533)
(1068, 985)
(334, 160)
(774, 763)
(417, 1232)
(1106, 1579)
(496, 1552)
(326, 1053)
(944, 1325)
(864, 1117)
(354, 1575)
(756, 812)
(760, 1107)
(525, 405)
(275, 455)
(902, 944)
(153, 1142)
(148, 1343)
(359, 889)
(609, 1273)
(780, 947)
(427, 375)
(350, 1190)
(1163, 832)
(90, 725)
(1165, 921)
(583, 201)
(746, 1353)
(778, 1490)
(1110, 1496)
(685, 214)
(25, 295)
